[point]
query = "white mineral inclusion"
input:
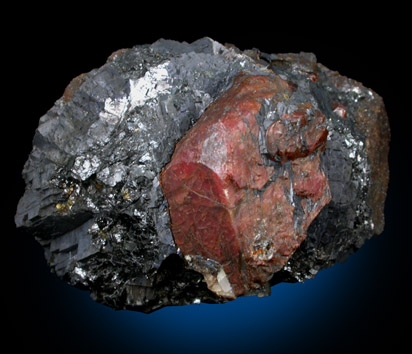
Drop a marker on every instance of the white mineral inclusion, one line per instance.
(112, 175)
(153, 83)
(114, 110)
(85, 166)
(80, 272)
(220, 284)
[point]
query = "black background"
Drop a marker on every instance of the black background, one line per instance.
(40, 311)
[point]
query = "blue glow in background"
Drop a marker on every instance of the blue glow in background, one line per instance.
(358, 305)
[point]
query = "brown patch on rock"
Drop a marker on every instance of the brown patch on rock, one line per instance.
(372, 120)
(73, 86)
(117, 54)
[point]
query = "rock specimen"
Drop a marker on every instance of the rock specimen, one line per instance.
(183, 173)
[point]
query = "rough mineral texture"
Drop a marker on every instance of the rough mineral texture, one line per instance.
(184, 173)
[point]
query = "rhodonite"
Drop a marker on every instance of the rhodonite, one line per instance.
(244, 209)
(182, 173)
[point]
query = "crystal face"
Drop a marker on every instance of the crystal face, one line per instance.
(183, 173)
(230, 203)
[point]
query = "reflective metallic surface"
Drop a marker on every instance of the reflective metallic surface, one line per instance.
(93, 198)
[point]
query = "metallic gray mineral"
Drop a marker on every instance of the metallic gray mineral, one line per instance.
(93, 197)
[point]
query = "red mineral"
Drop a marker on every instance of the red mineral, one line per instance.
(227, 205)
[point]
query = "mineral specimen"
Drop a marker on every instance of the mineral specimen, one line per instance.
(183, 173)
